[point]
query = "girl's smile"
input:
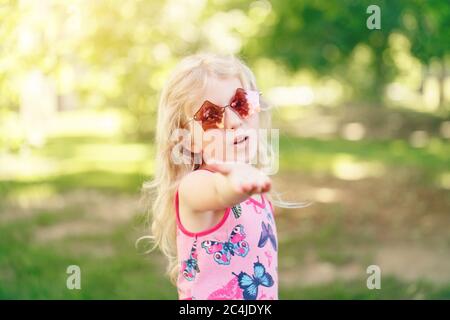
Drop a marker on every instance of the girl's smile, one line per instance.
(241, 140)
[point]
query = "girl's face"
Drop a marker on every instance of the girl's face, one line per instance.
(237, 140)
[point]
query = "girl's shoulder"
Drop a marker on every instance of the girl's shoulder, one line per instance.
(192, 180)
(195, 196)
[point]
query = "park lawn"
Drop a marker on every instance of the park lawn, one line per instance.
(34, 267)
(115, 165)
(33, 270)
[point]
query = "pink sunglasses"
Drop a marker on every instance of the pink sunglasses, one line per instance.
(244, 103)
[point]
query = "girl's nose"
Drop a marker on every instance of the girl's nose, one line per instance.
(232, 120)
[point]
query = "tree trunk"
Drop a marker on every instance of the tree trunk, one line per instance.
(442, 84)
(380, 79)
(423, 78)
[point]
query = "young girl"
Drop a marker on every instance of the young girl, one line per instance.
(211, 216)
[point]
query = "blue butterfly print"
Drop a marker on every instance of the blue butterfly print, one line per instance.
(269, 215)
(249, 284)
(190, 267)
(235, 245)
(267, 234)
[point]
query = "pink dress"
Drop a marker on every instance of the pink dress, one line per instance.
(235, 259)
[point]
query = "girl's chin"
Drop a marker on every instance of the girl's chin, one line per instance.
(241, 154)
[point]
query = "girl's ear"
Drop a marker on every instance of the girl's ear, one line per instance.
(194, 139)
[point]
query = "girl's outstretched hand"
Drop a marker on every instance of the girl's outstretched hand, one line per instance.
(228, 184)
(243, 178)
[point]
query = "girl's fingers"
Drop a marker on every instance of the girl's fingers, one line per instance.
(246, 187)
(246, 179)
(256, 184)
(266, 188)
(253, 188)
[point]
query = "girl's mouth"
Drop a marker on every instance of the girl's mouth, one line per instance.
(240, 139)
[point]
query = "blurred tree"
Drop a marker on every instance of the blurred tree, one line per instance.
(9, 18)
(323, 35)
(427, 25)
(117, 54)
(111, 54)
(9, 66)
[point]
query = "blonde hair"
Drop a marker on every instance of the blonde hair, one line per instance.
(180, 94)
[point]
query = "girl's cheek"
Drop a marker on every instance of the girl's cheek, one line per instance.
(213, 144)
(197, 138)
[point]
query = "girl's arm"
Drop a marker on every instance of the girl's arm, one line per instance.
(230, 184)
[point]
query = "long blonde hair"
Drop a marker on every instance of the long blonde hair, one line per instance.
(180, 94)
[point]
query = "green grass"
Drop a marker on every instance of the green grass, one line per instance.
(31, 269)
(391, 288)
(35, 271)
(118, 166)
(309, 154)
(105, 181)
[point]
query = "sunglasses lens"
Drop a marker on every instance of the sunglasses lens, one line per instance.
(244, 103)
(210, 115)
(239, 103)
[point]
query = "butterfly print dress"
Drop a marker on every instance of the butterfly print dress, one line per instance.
(235, 259)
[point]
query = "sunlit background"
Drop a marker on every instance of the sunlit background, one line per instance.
(363, 114)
